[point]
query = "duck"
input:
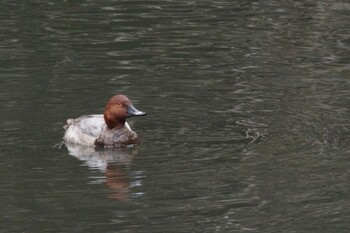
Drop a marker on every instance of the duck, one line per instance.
(109, 129)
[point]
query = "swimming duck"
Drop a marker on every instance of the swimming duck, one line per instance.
(104, 130)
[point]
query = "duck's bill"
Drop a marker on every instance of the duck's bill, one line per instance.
(132, 111)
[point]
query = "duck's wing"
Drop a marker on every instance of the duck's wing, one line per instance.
(84, 130)
(92, 125)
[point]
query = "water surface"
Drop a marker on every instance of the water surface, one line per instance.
(247, 125)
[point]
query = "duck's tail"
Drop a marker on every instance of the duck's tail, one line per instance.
(69, 122)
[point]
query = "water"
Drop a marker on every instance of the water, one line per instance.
(247, 125)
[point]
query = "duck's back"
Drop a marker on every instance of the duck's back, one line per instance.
(84, 130)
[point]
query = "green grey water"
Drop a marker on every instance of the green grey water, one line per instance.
(247, 125)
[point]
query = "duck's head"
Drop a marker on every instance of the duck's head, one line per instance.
(118, 108)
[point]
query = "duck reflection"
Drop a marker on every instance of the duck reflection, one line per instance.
(112, 162)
